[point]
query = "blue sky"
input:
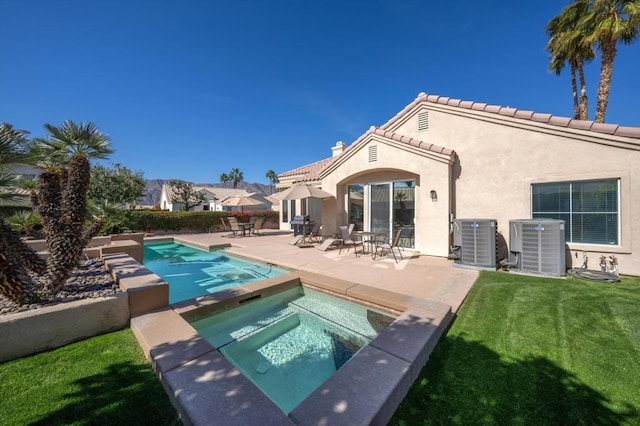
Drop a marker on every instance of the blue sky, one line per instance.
(192, 89)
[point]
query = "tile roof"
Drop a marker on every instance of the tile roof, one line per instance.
(605, 128)
(312, 172)
(406, 140)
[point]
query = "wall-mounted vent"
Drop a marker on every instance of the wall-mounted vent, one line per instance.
(476, 240)
(423, 121)
(373, 153)
(538, 246)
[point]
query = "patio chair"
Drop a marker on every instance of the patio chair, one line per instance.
(257, 226)
(234, 227)
(347, 241)
(389, 246)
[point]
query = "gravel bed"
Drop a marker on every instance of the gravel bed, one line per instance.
(89, 280)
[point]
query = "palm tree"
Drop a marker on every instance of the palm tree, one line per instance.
(567, 44)
(15, 256)
(273, 179)
(608, 22)
(236, 176)
(224, 178)
(62, 198)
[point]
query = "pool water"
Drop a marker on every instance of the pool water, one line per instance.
(192, 273)
(290, 343)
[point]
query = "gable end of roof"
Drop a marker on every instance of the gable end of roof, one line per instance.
(586, 125)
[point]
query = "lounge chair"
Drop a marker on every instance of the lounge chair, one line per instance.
(257, 226)
(225, 226)
(347, 241)
(314, 234)
(389, 246)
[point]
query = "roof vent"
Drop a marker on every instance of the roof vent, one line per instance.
(423, 121)
(373, 153)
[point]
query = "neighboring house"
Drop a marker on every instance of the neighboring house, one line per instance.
(24, 173)
(441, 158)
(214, 198)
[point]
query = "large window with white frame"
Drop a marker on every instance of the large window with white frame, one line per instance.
(590, 209)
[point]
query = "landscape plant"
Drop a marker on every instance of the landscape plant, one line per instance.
(61, 202)
(184, 193)
(583, 25)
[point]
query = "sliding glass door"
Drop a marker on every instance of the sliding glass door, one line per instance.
(392, 208)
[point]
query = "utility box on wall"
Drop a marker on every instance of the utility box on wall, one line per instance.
(538, 246)
(475, 240)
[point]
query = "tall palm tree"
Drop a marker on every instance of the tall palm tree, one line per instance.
(608, 22)
(273, 179)
(568, 44)
(15, 256)
(62, 197)
(224, 178)
(236, 177)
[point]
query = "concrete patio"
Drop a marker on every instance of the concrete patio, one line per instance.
(422, 277)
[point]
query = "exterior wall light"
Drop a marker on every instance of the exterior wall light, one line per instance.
(434, 195)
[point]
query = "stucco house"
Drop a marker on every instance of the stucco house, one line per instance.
(442, 158)
(214, 199)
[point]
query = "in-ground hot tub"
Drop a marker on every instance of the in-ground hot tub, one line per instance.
(288, 344)
(366, 389)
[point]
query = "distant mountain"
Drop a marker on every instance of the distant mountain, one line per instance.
(153, 189)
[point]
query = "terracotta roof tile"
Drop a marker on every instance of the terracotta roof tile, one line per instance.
(559, 121)
(478, 106)
(508, 111)
(630, 132)
(454, 102)
(581, 124)
(523, 114)
(540, 117)
(607, 128)
(443, 100)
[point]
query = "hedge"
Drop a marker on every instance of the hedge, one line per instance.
(153, 220)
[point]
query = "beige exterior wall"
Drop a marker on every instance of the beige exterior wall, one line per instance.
(500, 157)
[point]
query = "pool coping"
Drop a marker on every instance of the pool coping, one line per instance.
(203, 385)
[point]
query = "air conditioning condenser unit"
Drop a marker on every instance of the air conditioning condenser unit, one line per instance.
(538, 246)
(475, 242)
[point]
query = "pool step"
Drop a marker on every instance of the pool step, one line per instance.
(356, 318)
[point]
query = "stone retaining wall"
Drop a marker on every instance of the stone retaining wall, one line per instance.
(33, 331)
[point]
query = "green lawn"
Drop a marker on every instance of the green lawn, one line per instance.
(523, 350)
(103, 380)
(535, 351)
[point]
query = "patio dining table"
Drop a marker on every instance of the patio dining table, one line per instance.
(245, 227)
(368, 238)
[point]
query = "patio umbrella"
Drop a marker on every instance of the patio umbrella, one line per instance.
(298, 192)
(241, 201)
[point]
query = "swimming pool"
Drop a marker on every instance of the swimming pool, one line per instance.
(191, 272)
(290, 343)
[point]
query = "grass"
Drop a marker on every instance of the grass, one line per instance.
(102, 380)
(533, 351)
(522, 350)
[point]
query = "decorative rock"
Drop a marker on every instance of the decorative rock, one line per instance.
(89, 280)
